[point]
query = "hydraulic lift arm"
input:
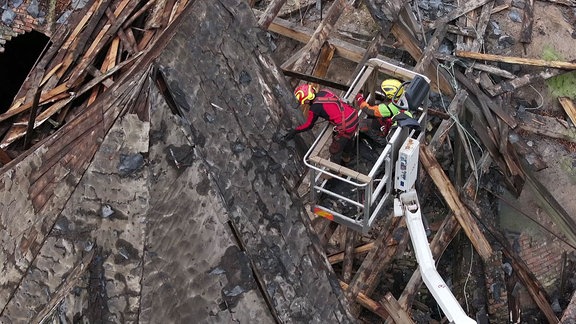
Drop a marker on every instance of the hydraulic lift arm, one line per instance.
(407, 205)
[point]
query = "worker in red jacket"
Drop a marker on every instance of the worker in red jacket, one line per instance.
(327, 105)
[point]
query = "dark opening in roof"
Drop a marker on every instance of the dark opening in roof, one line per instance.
(20, 55)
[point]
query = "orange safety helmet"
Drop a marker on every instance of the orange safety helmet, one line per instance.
(304, 92)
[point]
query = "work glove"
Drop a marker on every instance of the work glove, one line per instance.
(290, 135)
(359, 98)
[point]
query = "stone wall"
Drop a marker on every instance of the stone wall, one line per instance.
(19, 17)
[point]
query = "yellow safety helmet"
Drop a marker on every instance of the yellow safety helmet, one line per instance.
(304, 92)
(392, 88)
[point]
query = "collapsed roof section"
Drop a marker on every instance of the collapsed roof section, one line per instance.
(165, 196)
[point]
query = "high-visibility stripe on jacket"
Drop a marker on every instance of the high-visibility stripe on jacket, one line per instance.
(381, 110)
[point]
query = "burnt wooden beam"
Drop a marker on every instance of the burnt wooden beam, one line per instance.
(33, 109)
(339, 256)
(391, 242)
(430, 49)
(105, 34)
(462, 9)
(481, 25)
(461, 30)
(454, 109)
(475, 65)
(527, 22)
(313, 79)
(388, 306)
(324, 60)
(368, 265)
(270, 13)
(311, 49)
(548, 126)
(351, 237)
(450, 194)
(445, 234)
(518, 82)
(486, 102)
(517, 60)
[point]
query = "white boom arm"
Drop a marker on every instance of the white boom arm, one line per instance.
(407, 205)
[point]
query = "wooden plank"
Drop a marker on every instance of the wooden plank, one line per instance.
(569, 108)
(137, 14)
(461, 30)
(46, 97)
(130, 47)
(368, 303)
(351, 236)
(124, 8)
(324, 60)
(33, 111)
(501, 7)
(517, 60)
(450, 194)
(462, 9)
(79, 38)
(391, 241)
(393, 307)
(339, 257)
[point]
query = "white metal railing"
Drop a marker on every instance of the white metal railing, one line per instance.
(372, 190)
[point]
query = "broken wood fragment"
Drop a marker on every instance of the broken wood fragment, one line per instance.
(569, 108)
(547, 126)
(481, 25)
(270, 13)
(454, 109)
(517, 60)
(339, 257)
(462, 9)
(527, 22)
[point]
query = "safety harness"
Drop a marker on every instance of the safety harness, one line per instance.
(347, 124)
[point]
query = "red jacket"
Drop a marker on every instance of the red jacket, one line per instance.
(328, 106)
